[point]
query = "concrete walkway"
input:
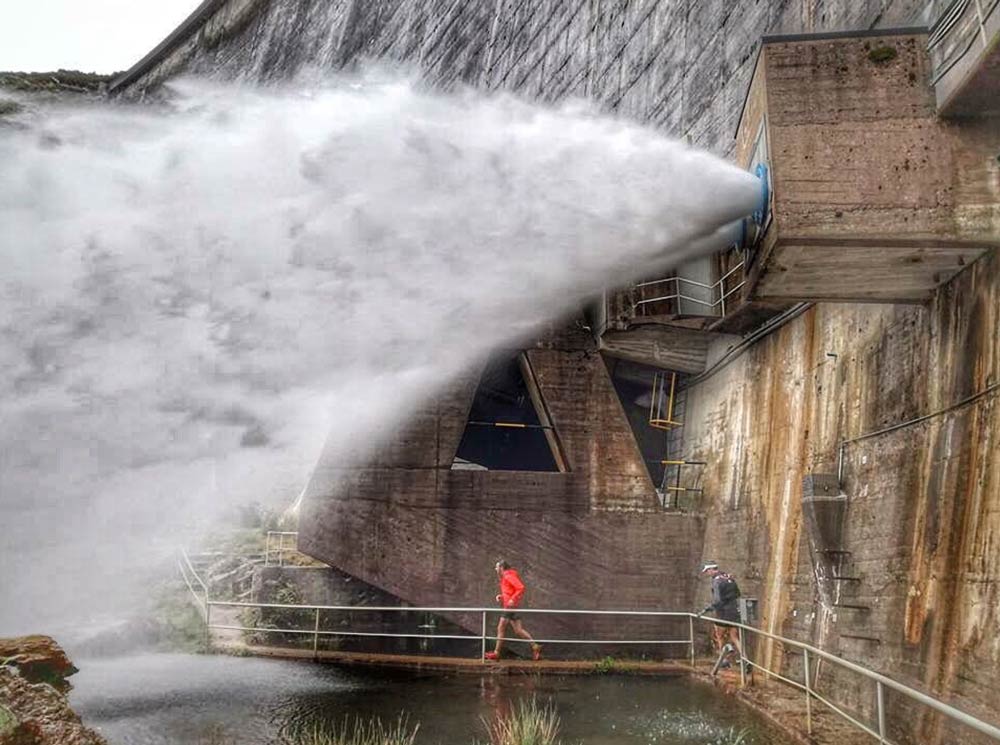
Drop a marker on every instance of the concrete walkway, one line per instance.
(459, 664)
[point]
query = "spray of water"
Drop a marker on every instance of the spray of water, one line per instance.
(193, 299)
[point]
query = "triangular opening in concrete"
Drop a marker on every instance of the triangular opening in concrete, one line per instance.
(508, 427)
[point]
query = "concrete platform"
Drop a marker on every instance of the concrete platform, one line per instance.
(465, 665)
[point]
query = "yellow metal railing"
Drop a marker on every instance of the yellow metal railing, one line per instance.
(661, 405)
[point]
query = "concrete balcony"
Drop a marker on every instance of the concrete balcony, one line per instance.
(874, 197)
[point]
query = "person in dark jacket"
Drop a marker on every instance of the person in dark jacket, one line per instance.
(511, 594)
(725, 597)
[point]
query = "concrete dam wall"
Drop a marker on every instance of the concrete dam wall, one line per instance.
(919, 587)
(680, 65)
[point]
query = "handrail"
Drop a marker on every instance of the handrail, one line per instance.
(881, 681)
(719, 287)
(947, 709)
(964, 24)
(281, 549)
(450, 609)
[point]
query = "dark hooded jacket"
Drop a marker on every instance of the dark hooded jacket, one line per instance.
(725, 594)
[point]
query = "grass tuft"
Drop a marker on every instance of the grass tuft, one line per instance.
(357, 732)
(733, 737)
(605, 666)
(528, 724)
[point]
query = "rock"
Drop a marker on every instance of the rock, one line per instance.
(33, 685)
(43, 714)
(39, 659)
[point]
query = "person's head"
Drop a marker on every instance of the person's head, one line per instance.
(501, 566)
(710, 568)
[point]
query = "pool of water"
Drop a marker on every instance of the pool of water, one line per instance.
(195, 700)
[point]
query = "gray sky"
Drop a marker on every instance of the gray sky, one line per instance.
(91, 35)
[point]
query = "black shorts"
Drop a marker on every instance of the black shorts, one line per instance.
(510, 616)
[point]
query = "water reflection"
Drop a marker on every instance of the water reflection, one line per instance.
(176, 699)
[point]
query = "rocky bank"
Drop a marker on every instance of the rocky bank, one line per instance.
(33, 685)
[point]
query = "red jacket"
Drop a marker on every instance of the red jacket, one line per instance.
(511, 588)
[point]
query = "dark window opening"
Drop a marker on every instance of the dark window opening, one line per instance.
(504, 431)
(633, 383)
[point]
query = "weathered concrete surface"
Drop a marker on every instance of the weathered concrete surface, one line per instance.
(681, 65)
(410, 525)
(671, 347)
(923, 519)
(875, 198)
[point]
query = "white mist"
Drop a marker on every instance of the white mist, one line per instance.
(192, 300)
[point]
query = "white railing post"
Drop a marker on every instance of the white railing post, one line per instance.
(880, 704)
(743, 657)
(316, 636)
(805, 665)
(691, 637)
(208, 624)
(482, 655)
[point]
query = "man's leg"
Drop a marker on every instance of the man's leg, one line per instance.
(501, 633)
(734, 639)
(521, 631)
(718, 636)
(536, 649)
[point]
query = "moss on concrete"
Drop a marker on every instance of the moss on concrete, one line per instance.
(882, 55)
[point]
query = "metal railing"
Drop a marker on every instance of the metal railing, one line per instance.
(189, 575)
(671, 486)
(811, 654)
(961, 28)
(716, 307)
(274, 546)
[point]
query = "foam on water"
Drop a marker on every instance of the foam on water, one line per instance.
(191, 300)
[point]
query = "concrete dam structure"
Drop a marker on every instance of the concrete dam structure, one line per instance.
(816, 408)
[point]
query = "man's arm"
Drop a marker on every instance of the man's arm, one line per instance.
(716, 603)
(517, 587)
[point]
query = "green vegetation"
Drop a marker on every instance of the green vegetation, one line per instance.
(7, 720)
(60, 80)
(528, 724)
(182, 627)
(278, 618)
(8, 107)
(605, 666)
(883, 54)
(357, 732)
(734, 737)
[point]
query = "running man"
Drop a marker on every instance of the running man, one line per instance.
(511, 593)
(725, 594)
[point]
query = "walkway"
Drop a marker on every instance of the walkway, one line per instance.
(465, 665)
